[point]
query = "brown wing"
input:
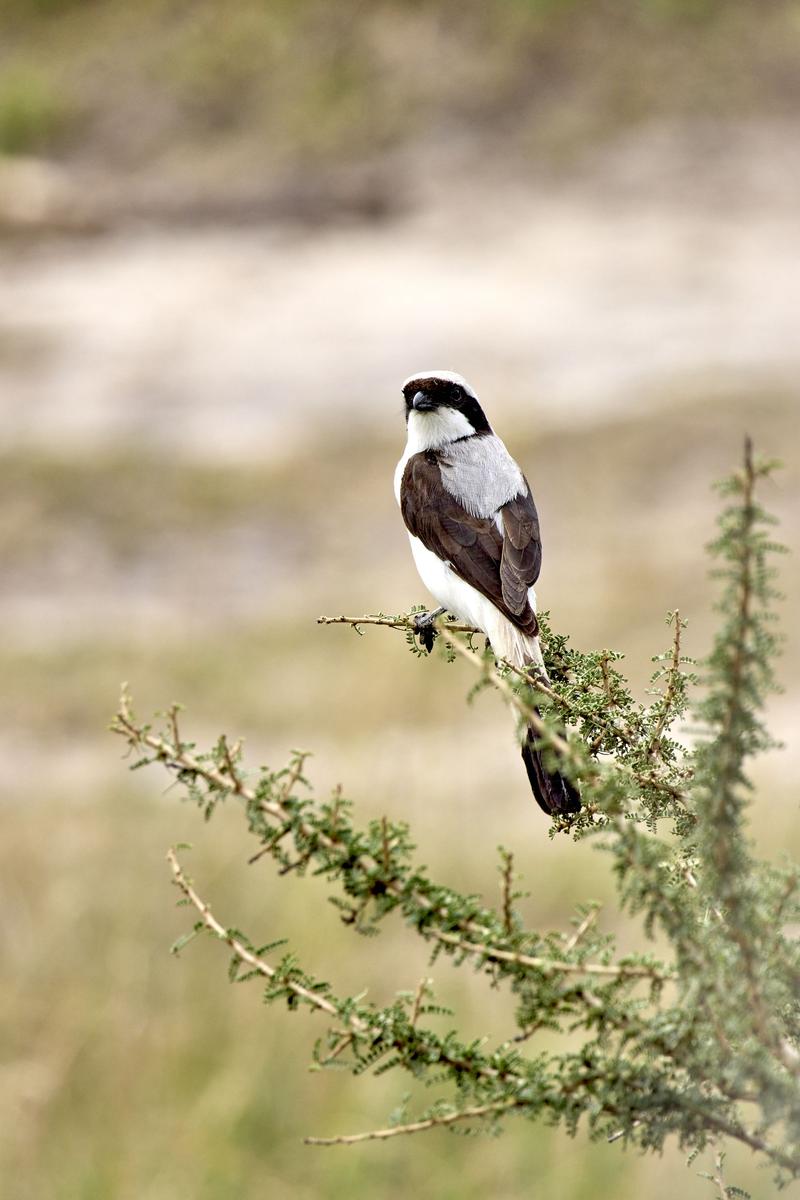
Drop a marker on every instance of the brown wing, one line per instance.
(522, 549)
(501, 568)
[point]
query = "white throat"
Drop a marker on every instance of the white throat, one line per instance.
(432, 430)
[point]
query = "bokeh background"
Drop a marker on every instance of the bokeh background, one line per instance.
(227, 233)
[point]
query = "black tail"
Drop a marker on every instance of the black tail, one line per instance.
(553, 793)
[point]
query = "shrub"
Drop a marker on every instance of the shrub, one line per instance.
(700, 1042)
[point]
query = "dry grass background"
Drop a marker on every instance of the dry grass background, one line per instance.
(174, 512)
(129, 1074)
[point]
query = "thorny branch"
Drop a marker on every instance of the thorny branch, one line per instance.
(606, 723)
(404, 622)
(542, 963)
(359, 1028)
(667, 1047)
(506, 889)
(466, 1114)
(587, 922)
(356, 1026)
(244, 954)
(179, 758)
(673, 676)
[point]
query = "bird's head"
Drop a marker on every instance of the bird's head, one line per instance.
(441, 407)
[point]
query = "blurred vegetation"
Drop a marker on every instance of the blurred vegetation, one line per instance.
(202, 89)
(685, 1044)
(31, 113)
(124, 1074)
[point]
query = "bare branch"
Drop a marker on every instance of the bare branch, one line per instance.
(719, 1178)
(620, 1133)
(345, 1040)
(423, 984)
(581, 929)
(506, 889)
(540, 963)
(406, 622)
(294, 774)
(230, 763)
(466, 1114)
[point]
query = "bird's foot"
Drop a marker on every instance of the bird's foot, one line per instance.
(537, 674)
(425, 629)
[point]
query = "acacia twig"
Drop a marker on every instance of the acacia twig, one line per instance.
(418, 998)
(295, 773)
(230, 763)
(620, 1133)
(406, 622)
(246, 955)
(186, 761)
(581, 929)
(506, 889)
(183, 760)
(541, 963)
(465, 1114)
(345, 1041)
(719, 1178)
(537, 684)
(672, 686)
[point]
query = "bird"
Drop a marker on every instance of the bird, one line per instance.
(475, 540)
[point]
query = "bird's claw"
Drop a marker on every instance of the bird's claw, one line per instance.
(425, 629)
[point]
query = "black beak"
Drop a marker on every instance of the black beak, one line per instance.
(422, 402)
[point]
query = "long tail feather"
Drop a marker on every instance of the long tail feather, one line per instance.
(553, 792)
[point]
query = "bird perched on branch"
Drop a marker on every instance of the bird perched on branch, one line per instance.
(474, 534)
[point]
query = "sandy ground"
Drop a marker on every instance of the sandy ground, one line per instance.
(556, 300)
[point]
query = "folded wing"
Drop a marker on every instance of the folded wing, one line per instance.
(502, 565)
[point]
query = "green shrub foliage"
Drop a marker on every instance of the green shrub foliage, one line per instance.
(700, 1042)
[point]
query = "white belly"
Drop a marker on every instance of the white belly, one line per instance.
(473, 608)
(458, 597)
